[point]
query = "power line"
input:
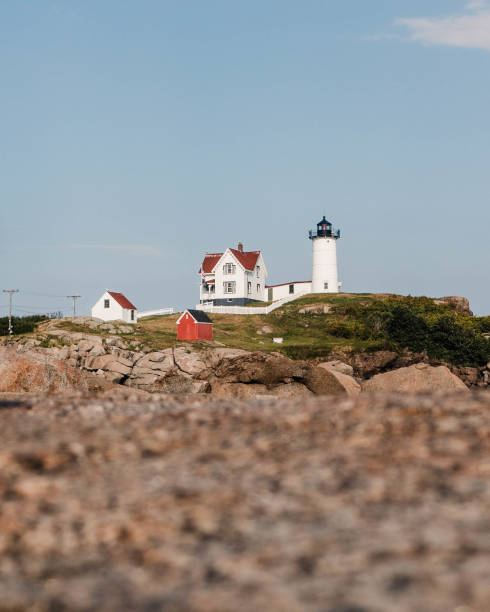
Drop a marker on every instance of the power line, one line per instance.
(49, 295)
(36, 307)
(74, 298)
(11, 293)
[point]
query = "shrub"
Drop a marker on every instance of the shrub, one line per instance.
(21, 325)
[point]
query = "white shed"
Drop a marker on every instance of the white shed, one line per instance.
(112, 306)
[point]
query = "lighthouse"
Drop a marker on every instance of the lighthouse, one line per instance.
(325, 274)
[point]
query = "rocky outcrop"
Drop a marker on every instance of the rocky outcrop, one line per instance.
(316, 309)
(460, 303)
(222, 371)
(34, 373)
(420, 377)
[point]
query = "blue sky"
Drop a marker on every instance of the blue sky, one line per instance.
(136, 136)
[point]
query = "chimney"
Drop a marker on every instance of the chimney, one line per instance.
(240, 247)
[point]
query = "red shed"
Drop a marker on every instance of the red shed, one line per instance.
(194, 325)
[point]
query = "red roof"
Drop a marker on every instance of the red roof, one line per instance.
(248, 259)
(122, 300)
(209, 262)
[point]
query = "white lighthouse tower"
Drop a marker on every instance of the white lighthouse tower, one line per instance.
(325, 274)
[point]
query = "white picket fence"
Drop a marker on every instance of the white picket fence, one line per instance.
(152, 313)
(250, 310)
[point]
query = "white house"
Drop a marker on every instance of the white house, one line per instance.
(235, 277)
(112, 306)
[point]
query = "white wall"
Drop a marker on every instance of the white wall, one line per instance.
(325, 265)
(115, 312)
(281, 291)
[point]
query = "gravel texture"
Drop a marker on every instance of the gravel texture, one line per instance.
(372, 503)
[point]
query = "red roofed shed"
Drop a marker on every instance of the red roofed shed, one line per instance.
(194, 325)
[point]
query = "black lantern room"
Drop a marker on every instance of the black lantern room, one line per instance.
(324, 228)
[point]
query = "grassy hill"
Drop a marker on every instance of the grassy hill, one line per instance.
(355, 322)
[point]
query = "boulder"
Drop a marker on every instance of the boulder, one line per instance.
(367, 364)
(293, 389)
(261, 368)
(315, 309)
(37, 372)
(162, 361)
(110, 363)
(419, 377)
(339, 366)
(113, 377)
(350, 385)
(178, 384)
(237, 390)
(86, 346)
(119, 368)
(144, 379)
(470, 376)
(322, 381)
(188, 360)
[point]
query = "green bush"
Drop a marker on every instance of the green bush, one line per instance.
(21, 325)
(448, 337)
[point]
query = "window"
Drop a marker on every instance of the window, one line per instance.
(291, 288)
(229, 287)
(258, 288)
(325, 285)
(258, 271)
(229, 268)
(132, 315)
(249, 287)
(106, 303)
(211, 288)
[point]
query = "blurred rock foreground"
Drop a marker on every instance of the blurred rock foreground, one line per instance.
(360, 503)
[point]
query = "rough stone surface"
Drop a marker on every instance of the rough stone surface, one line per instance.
(366, 504)
(32, 372)
(262, 368)
(316, 309)
(420, 377)
(324, 382)
(367, 364)
(292, 389)
(237, 390)
(189, 361)
(340, 366)
(162, 361)
(350, 385)
(216, 355)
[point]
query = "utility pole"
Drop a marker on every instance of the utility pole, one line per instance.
(11, 293)
(74, 298)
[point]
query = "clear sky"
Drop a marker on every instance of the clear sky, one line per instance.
(136, 136)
